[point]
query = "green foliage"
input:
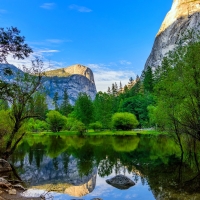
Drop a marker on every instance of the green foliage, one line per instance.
(83, 109)
(137, 105)
(124, 121)
(55, 101)
(96, 126)
(148, 81)
(103, 109)
(65, 107)
(56, 121)
(79, 127)
(35, 125)
(178, 88)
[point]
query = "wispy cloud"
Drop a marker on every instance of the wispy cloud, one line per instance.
(79, 8)
(48, 6)
(57, 41)
(2, 11)
(125, 62)
(41, 54)
(49, 51)
(105, 76)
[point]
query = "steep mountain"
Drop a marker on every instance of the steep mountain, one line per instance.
(75, 79)
(184, 15)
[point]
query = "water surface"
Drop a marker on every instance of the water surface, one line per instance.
(77, 167)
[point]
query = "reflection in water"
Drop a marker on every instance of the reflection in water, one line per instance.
(72, 164)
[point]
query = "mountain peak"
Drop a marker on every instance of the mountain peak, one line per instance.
(179, 9)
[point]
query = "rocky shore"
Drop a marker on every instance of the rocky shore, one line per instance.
(11, 189)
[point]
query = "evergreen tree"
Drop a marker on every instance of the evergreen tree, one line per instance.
(65, 107)
(83, 109)
(109, 90)
(55, 101)
(148, 81)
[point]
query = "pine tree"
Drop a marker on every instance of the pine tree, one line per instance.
(55, 101)
(65, 107)
(109, 90)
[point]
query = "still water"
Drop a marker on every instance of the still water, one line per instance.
(77, 167)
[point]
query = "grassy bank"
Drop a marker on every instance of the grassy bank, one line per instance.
(105, 132)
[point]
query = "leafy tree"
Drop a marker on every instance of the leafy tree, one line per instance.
(138, 105)
(124, 121)
(56, 121)
(96, 126)
(79, 127)
(178, 87)
(11, 43)
(83, 109)
(20, 94)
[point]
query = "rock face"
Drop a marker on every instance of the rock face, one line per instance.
(183, 15)
(4, 166)
(121, 182)
(75, 79)
(74, 69)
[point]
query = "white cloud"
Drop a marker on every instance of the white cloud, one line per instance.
(104, 76)
(57, 41)
(125, 62)
(49, 51)
(79, 8)
(48, 64)
(48, 6)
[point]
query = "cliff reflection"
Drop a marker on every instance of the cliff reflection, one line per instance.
(71, 164)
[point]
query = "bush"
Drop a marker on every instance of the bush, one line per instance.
(37, 125)
(96, 126)
(124, 121)
(56, 121)
(79, 127)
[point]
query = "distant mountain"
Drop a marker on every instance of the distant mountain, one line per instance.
(75, 79)
(184, 15)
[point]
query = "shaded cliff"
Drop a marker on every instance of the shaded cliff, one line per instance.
(75, 79)
(183, 15)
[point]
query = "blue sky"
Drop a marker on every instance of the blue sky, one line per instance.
(114, 37)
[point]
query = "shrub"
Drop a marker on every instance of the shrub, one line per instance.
(124, 121)
(37, 125)
(79, 127)
(96, 126)
(56, 121)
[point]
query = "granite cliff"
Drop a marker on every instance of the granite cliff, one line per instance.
(184, 15)
(75, 79)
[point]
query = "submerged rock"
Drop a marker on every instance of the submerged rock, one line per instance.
(121, 182)
(4, 166)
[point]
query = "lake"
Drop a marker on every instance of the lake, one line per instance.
(75, 167)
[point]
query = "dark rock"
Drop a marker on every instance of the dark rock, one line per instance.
(121, 182)
(4, 166)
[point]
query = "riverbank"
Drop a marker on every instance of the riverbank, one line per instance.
(105, 133)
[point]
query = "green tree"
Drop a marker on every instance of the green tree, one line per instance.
(83, 109)
(178, 88)
(65, 107)
(124, 121)
(103, 109)
(19, 94)
(56, 121)
(148, 80)
(55, 101)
